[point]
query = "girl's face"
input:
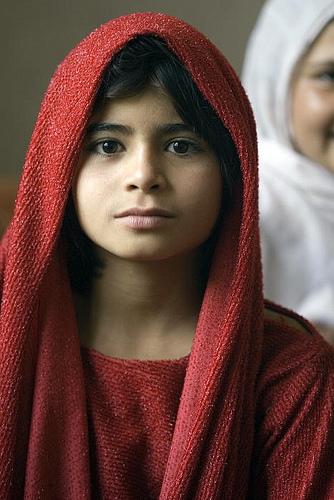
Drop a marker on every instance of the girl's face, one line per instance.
(147, 187)
(313, 101)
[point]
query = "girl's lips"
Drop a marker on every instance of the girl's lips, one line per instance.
(144, 221)
(145, 212)
(141, 219)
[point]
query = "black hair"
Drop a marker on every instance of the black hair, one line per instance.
(146, 61)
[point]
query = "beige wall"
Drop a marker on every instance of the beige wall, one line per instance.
(37, 34)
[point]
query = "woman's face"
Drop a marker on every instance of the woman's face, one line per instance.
(147, 187)
(313, 101)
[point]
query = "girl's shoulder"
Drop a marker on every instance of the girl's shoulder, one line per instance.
(294, 437)
(290, 340)
(297, 367)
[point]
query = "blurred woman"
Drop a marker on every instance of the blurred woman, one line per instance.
(289, 76)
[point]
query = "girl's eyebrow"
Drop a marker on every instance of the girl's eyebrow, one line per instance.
(103, 127)
(115, 127)
(173, 127)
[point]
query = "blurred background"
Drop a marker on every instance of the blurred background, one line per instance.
(35, 36)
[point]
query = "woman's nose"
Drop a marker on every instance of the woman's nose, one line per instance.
(145, 172)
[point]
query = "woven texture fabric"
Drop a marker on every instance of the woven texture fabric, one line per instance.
(45, 443)
(132, 408)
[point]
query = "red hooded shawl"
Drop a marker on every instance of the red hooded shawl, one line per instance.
(255, 417)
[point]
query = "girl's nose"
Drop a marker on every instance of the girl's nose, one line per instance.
(146, 172)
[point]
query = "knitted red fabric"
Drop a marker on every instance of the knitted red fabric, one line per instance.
(132, 408)
(44, 443)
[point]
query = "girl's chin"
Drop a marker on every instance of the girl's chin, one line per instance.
(144, 255)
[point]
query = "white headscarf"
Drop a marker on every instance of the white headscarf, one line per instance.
(296, 194)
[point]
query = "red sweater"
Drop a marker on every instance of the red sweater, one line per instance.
(133, 405)
(132, 408)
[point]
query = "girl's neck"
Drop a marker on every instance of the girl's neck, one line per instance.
(143, 310)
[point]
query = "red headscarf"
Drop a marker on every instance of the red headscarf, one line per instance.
(44, 439)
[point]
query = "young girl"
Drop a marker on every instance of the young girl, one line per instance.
(137, 357)
(289, 76)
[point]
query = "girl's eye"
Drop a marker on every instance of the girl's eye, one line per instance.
(183, 147)
(106, 147)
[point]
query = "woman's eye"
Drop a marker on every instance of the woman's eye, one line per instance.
(106, 147)
(182, 147)
(327, 76)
